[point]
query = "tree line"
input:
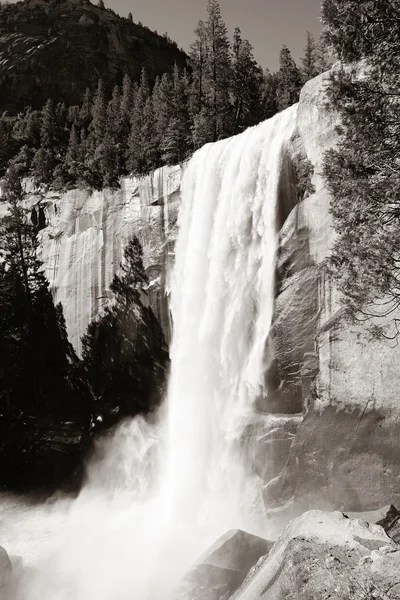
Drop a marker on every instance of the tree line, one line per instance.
(140, 127)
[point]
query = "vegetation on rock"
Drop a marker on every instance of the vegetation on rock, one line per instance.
(41, 379)
(363, 173)
(124, 352)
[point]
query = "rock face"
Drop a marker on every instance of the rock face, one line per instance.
(85, 235)
(56, 49)
(326, 555)
(343, 380)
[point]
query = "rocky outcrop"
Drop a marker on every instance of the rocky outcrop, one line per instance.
(326, 555)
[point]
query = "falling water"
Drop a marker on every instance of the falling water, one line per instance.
(159, 494)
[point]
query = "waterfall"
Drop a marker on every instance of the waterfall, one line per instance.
(159, 494)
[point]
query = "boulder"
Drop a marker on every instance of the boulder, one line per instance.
(326, 555)
(391, 523)
(221, 570)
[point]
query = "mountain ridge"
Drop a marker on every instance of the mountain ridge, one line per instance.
(57, 48)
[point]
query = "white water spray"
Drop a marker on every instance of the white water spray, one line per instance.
(159, 495)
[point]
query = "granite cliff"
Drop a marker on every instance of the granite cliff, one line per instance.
(56, 49)
(326, 430)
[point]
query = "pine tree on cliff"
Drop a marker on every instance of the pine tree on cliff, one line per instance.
(198, 57)
(85, 114)
(150, 143)
(44, 161)
(74, 157)
(246, 89)
(135, 160)
(176, 143)
(126, 108)
(310, 60)
(314, 60)
(214, 119)
(364, 173)
(111, 150)
(124, 351)
(290, 82)
(163, 105)
(269, 99)
(33, 343)
(98, 125)
(95, 140)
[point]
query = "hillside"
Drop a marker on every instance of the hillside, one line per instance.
(57, 48)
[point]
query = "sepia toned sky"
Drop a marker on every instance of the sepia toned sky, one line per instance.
(266, 23)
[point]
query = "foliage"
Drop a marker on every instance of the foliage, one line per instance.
(289, 80)
(364, 172)
(38, 366)
(124, 351)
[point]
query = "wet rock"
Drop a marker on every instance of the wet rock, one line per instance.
(222, 569)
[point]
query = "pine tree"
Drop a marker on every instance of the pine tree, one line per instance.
(85, 115)
(43, 166)
(99, 116)
(269, 98)
(135, 156)
(44, 161)
(22, 162)
(212, 78)
(198, 58)
(176, 138)
(48, 128)
(163, 103)
(124, 351)
(130, 17)
(290, 83)
(363, 173)
(310, 59)
(247, 85)
(95, 140)
(150, 143)
(126, 108)
(33, 341)
(74, 157)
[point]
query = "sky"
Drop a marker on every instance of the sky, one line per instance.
(267, 24)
